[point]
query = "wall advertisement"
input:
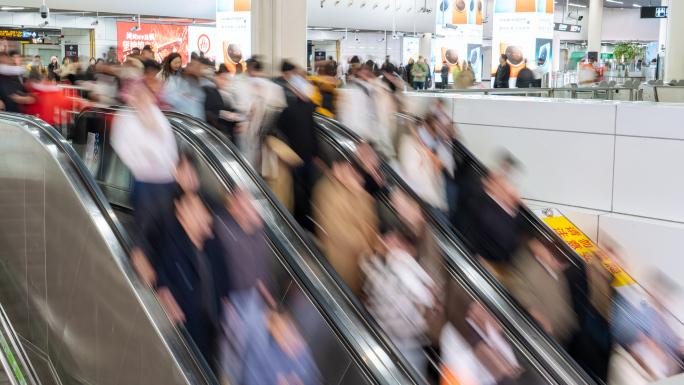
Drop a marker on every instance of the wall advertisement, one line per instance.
(203, 39)
(458, 37)
(233, 33)
(163, 38)
(523, 30)
(410, 49)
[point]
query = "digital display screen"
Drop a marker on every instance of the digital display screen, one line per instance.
(567, 27)
(653, 12)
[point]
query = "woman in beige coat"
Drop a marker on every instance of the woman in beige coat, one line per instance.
(347, 221)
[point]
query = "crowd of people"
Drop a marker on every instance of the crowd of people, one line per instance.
(207, 259)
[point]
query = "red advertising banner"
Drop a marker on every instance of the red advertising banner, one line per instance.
(163, 38)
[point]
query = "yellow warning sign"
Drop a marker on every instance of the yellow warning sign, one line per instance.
(585, 247)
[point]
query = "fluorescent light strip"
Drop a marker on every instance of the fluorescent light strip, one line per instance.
(11, 8)
(614, 1)
(577, 5)
(636, 5)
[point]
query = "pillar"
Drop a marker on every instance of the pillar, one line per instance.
(662, 34)
(279, 32)
(555, 55)
(674, 48)
(595, 25)
(425, 46)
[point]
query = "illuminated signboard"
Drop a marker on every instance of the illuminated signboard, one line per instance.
(653, 12)
(14, 34)
(567, 27)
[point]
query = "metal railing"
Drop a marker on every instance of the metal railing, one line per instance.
(550, 92)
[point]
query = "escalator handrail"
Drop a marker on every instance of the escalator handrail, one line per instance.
(173, 342)
(402, 372)
(551, 355)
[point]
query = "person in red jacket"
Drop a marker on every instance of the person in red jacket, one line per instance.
(49, 102)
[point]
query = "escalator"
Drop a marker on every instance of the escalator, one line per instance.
(541, 352)
(346, 348)
(81, 313)
(353, 340)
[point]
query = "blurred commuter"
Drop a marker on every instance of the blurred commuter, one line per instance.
(189, 96)
(112, 56)
(220, 105)
(296, 124)
(408, 73)
(346, 219)
(105, 88)
(171, 70)
(538, 72)
(192, 277)
(366, 107)
(53, 69)
(147, 53)
(154, 85)
(503, 73)
(260, 101)
(388, 67)
(646, 349)
(144, 141)
(419, 74)
(49, 102)
(525, 77)
(421, 166)
(465, 78)
(444, 72)
(13, 94)
(428, 78)
(587, 72)
(91, 71)
(326, 84)
(399, 294)
(498, 225)
(37, 64)
(457, 71)
(543, 288)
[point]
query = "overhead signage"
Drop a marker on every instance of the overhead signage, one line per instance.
(653, 12)
(567, 27)
(15, 34)
(203, 40)
(164, 39)
(71, 50)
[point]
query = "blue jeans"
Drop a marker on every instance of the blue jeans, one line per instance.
(418, 85)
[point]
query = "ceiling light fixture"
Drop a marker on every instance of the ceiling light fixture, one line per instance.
(11, 8)
(615, 1)
(577, 5)
(636, 5)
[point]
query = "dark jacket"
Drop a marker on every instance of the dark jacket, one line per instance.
(525, 78)
(178, 268)
(445, 71)
(213, 105)
(51, 74)
(503, 73)
(297, 125)
(409, 76)
(495, 234)
(11, 85)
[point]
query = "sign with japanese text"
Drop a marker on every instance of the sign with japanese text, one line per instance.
(163, 38)
(233, 33)
(585, 247)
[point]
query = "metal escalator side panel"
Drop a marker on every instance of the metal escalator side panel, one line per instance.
(521, 329)
(71, 290)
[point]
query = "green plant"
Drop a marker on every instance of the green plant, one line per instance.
(629, 51)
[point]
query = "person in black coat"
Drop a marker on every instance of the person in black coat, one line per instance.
(503, 73)
(525, 78)
(296, 126)
(192, 277)
(12, 90)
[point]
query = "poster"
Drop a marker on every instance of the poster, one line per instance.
(410, 49)
(163, 38)
(203, 39)
(523, 30)
(458, 37)
(233, 33)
